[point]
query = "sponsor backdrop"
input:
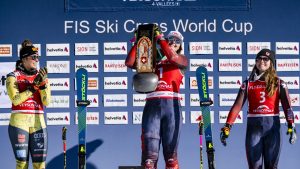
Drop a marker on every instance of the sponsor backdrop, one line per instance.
(95, 35)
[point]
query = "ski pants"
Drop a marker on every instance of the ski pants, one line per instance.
(161, 123)
(263, 142)
(28, 135)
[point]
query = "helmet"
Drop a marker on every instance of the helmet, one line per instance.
(175, 34)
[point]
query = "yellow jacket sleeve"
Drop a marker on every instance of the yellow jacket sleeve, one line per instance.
(13, 92)
(46, 94)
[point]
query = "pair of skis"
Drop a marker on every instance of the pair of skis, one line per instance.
(205, 121)
(82, 103)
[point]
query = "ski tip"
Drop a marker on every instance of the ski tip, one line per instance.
(81, 70)
(201, 68)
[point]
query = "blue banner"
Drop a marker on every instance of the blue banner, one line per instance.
(121, 5)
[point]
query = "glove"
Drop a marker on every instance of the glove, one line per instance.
(292, 132)
(133, 40)
(40, 79)
(225, 133)
(158, 34)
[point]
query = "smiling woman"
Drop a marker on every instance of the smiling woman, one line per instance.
(28, 91)
(264, 89)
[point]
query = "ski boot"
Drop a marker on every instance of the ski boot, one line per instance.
(172, 164)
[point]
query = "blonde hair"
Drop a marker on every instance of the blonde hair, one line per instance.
(271, 79)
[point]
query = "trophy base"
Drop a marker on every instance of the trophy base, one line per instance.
(145, 82)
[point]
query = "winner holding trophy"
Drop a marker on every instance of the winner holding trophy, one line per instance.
(160, 69)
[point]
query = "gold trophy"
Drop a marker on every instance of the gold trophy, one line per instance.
(145, 80)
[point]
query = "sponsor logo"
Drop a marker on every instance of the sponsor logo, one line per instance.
(287, 48)
(287, 64)
(161, 3)
(227, 99)
(58, 118)
(21, 153)
(115, 83)
(58, 49)
(115, 100)
(163, 85)
(201, 47)
(195, 63)
(59, 83)
(114, 66)
(137, 117)
(254, 47)
(230, 82)
(39, 135)
(115, 48)
(115, 117)
(91, 118)
(21, 138)
(230, 64)
(89, 65)
(263, 109)
(5, 50)
(40, 145)
(58, 66)
(59, 102)
(86, 49)
(93, 83)
(139, 100)
(21, 145)
(230, 48)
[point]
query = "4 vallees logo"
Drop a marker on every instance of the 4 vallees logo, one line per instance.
(161, 3)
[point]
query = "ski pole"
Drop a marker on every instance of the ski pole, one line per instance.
(64, 138)
(201, 142)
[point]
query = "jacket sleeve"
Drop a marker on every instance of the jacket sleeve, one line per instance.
(46, 94)
(238, 104)
(130, 59)
(13, 92)
(172, 56)
(286, 103)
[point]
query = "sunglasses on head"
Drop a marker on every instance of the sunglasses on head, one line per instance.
(173, 40)
(265, 59)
